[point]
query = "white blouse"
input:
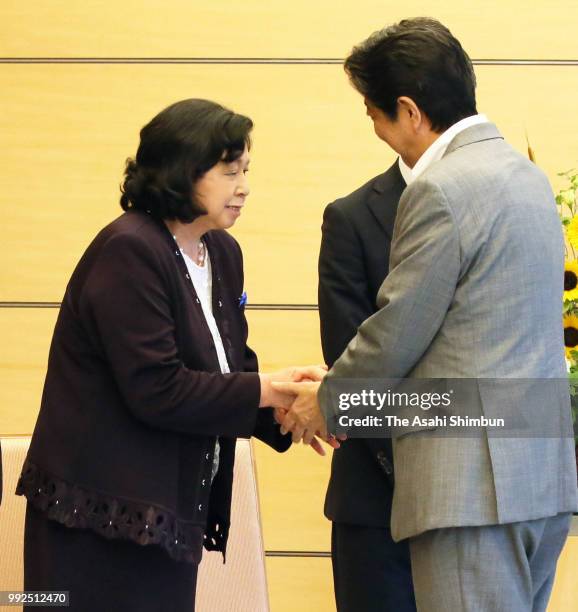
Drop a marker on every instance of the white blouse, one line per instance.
(203, 283)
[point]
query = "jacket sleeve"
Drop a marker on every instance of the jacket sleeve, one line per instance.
(343, 293)
(413, 299)
(126, 304)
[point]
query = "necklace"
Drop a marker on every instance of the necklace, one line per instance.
(200, 255)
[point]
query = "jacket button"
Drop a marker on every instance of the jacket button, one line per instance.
(203, 482)
(220, 304)
(207, 456)
(200, 507)
(187, 277)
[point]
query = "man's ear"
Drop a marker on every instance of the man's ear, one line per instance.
(410, 111)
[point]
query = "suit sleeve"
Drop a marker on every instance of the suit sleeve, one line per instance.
(343, 294)
(413, 299)
(127, 306)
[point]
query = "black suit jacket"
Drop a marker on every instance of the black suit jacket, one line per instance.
(134, 396)
(353, 262)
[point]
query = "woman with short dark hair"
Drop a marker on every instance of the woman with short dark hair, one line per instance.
(150, 380)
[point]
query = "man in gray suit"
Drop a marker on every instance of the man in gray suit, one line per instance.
(473, 292)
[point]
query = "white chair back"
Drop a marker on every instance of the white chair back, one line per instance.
(12, 512)
(240, 585)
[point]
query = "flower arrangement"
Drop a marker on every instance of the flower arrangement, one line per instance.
(567, 201)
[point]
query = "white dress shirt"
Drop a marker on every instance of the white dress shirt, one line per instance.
(437, 149)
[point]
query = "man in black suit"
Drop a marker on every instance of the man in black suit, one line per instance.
(371, 572)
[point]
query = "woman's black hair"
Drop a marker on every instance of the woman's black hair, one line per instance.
(176, 148)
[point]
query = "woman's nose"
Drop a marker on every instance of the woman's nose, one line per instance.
(244, 188)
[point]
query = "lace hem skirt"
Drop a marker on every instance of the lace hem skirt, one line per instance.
(103, 574)
(114, 517)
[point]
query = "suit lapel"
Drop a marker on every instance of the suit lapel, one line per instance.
(384, 197)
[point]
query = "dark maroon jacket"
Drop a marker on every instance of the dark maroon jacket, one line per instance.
(134, 397)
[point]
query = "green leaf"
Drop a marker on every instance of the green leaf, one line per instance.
(567, 197)
(569, 307)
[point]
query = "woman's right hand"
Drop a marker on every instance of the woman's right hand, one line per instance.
(273, 398)
(282, 402)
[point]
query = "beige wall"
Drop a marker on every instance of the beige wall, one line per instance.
(67, 125)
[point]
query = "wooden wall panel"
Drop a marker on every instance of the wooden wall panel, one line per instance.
(565, 592)
(292, 489)
(25, 340)
(66, 131)
(291, 485)
(300, 584)
(283, 338)
(228, 28)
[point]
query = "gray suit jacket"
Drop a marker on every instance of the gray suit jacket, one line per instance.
(474, 291)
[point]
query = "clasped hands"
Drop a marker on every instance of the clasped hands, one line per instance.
(293, 395)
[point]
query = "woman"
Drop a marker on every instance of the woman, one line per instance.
(150, 380)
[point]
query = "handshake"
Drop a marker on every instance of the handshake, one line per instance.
(292, 393)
